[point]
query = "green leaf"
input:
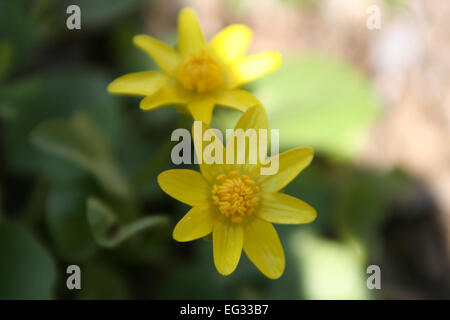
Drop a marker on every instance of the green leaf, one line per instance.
(27, 271)
(329, 269)
(396, 4)
(321, 102)
(7, 112)
(101, 281)
(80, 141)
(57, 93)
(318, 102)
(6, 54)
(106, 228)
(17, 31)
(67, 223)
(362, 203)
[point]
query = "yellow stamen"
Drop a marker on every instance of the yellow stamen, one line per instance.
(235, 195)
(200, 73)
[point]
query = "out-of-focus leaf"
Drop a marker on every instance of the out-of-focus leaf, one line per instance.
(396, 4)
(361, 202)
(35, 203)
(129, 58)
(246, 282)
(67, 222)
(102, 282)
(107, 230)
(101, 12)
(80, 141)
(17, 32)
(7, 112)
(319, 102)
(6, 54)
(329, 269)
(189, 271)
(27, 271)
(50, 94)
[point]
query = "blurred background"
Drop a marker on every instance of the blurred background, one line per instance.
(78, 166)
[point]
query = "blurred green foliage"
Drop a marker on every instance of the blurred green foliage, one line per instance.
(27, 271)
(333, 105)
(105, 226)
(78, 168)
(80, 140)
(102, 280)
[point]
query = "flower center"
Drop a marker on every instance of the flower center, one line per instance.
(200, 72)
(235, 195)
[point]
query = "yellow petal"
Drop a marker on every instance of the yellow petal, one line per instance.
(253, 67)
(163, 97)
(227, 245)
(209, 171)
(165, 57)
(190, 34)
(201, 109)
(237, 99)
(282, 208)
(254, 119)
(197, 223)
(185, 185)
(291, 163)
(139, 83)
(231, 43)
(263, 247)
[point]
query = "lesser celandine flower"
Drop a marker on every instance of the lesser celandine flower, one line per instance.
(198, 74)
(238, 204)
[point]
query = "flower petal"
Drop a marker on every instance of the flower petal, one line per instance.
(228, 238)
(291, 163)
(263, 247)
(165, 57)
(163, 97)
(185, 185)
(251, 121)
(190, 34)
(253, 67)
(212, 170)
(197, 223)
(201, 109)
(237, 99)
(282, 208)
(231, 43)
(253, 118)
(140, 83)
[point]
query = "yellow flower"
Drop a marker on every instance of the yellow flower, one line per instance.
(197, 74)
(238, 204)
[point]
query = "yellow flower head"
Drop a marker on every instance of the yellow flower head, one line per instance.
(238, 204)
(198, 74)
